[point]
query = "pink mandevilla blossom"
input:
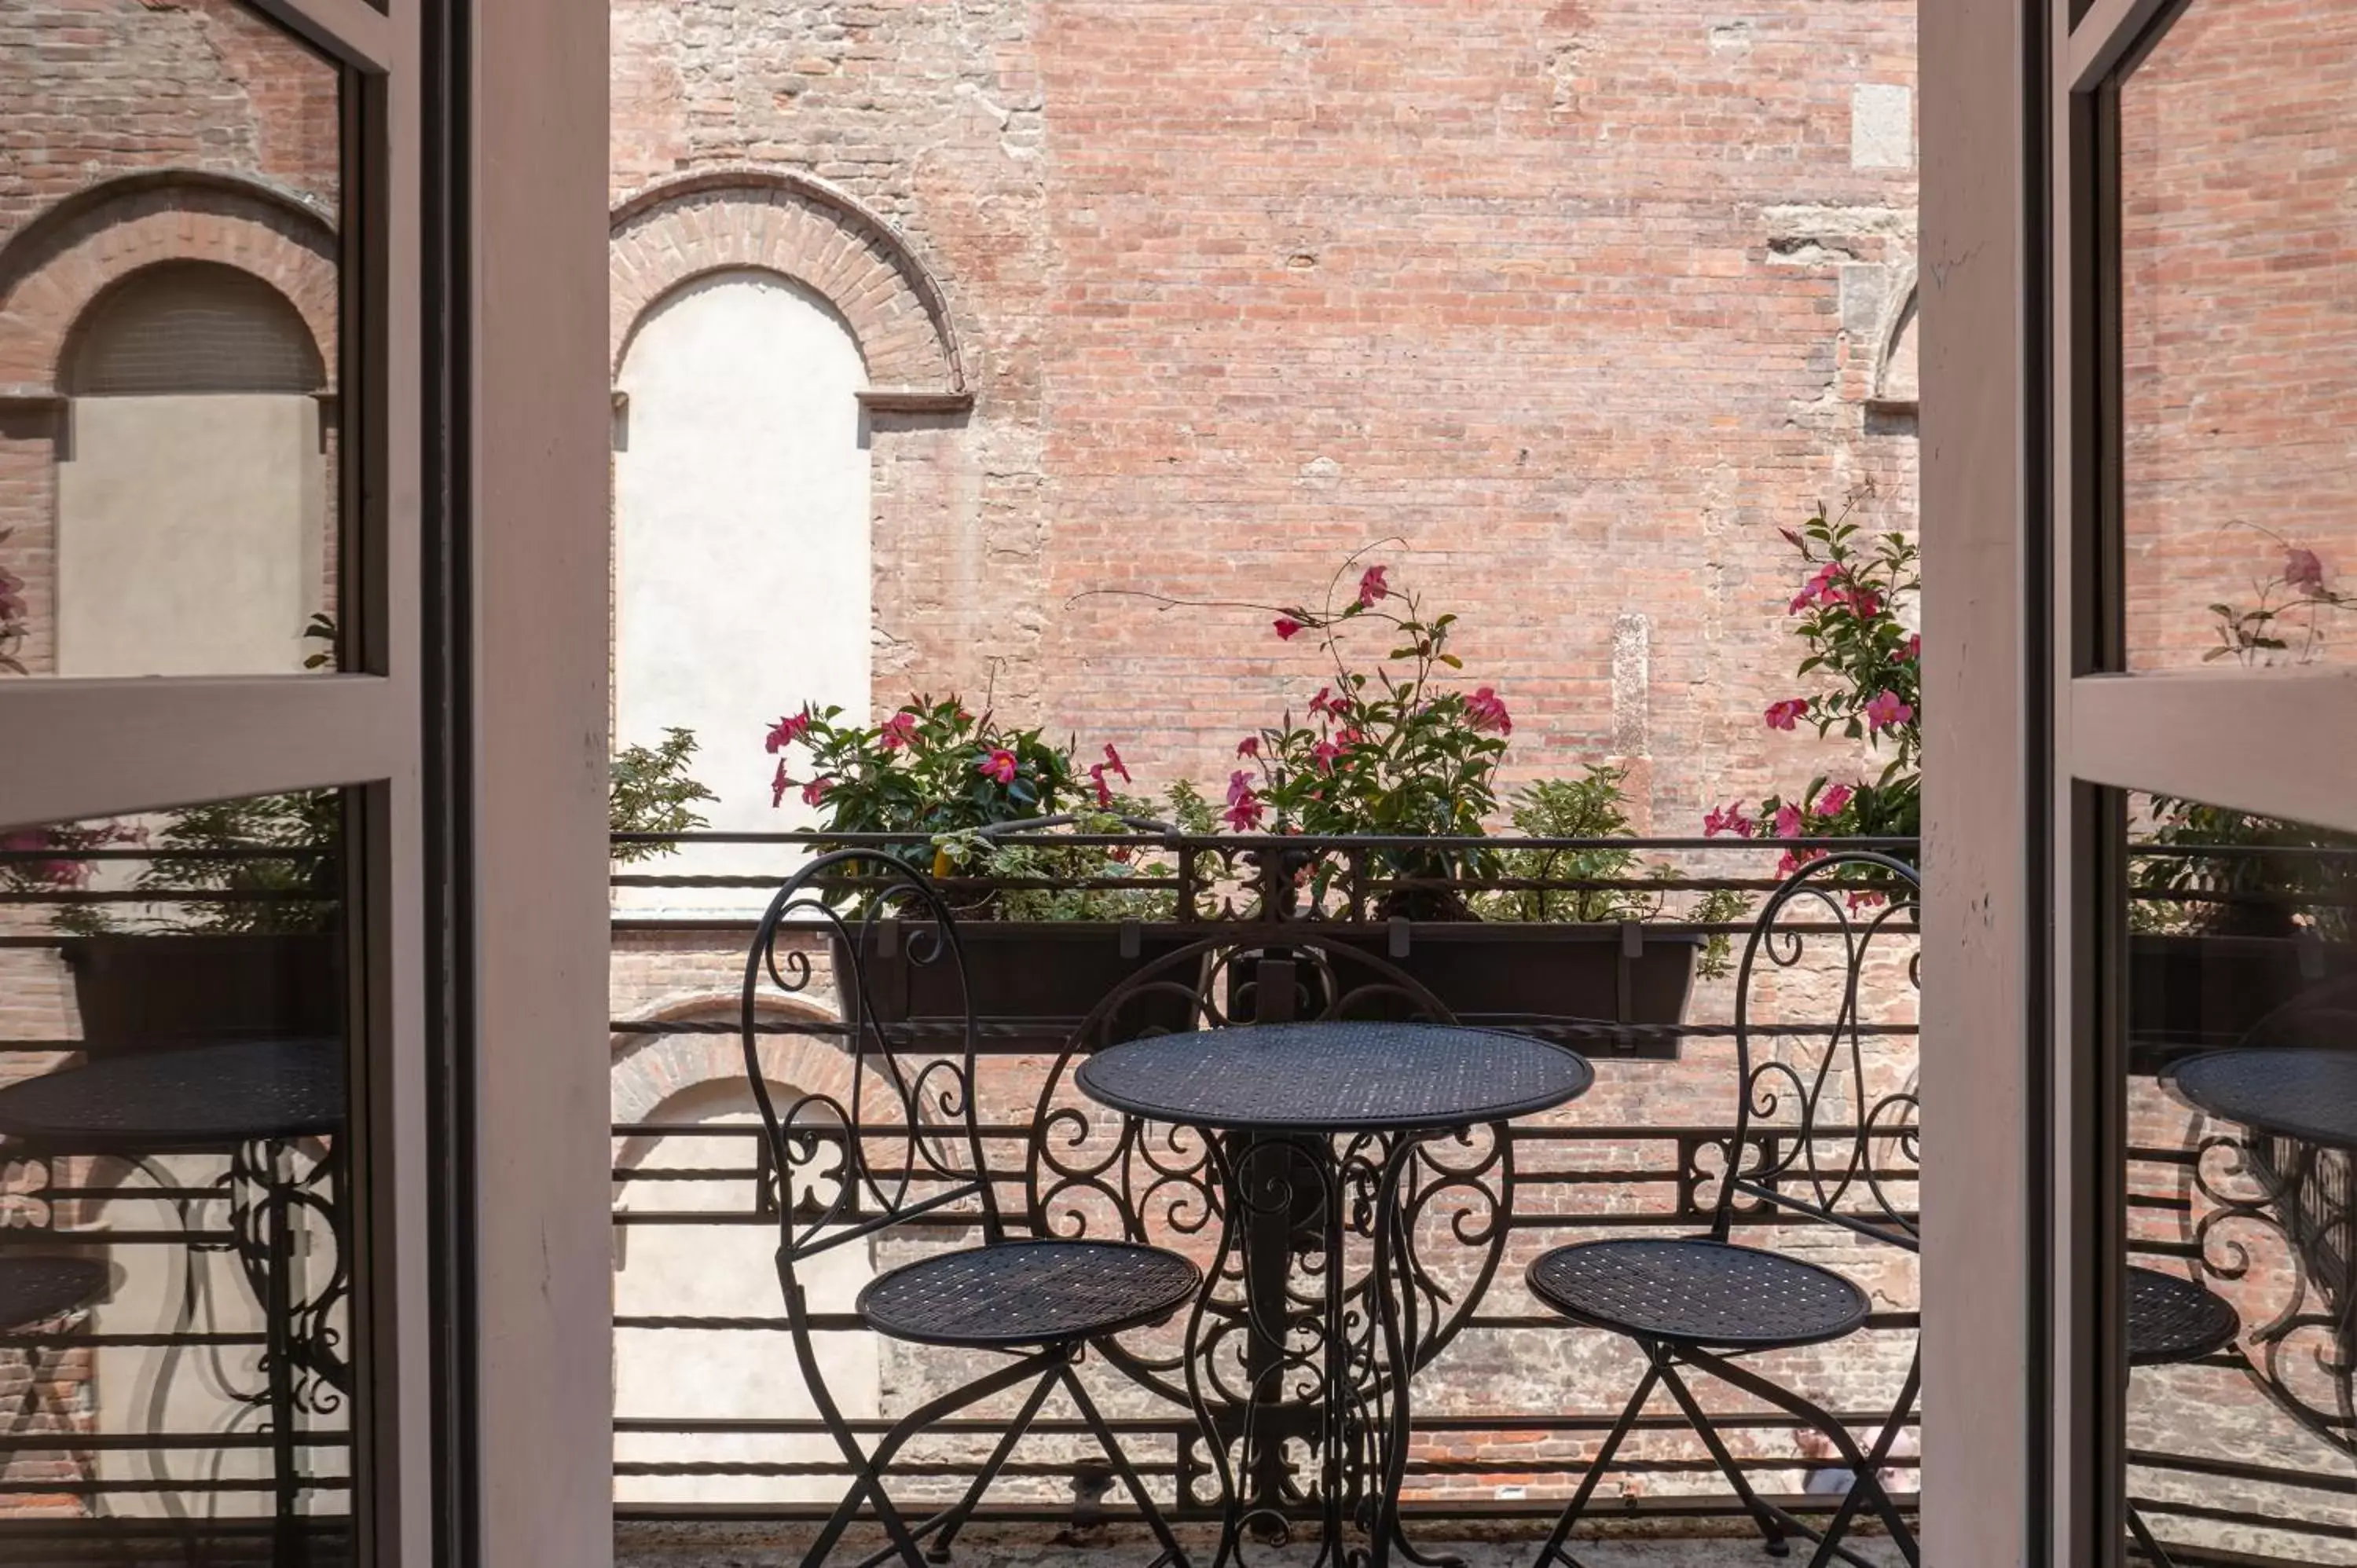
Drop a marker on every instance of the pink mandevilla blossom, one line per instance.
(999, 765)
(1248, 746)
(1820, 587)
(1097, 778)
(788, 730)
(1885, 711)
(1831, 802)
(815, 790)
(1727, 819)
(1245, 810)
(2303, 571)
(1288, 628)
(1488, 713)
(1325, 704)
(1113, 764)
(1914, 649)
(899, 730)
(780, 785)
(1866, 603)
(1789, 821)
(1784, 714)
(1325, 752)
(1372, 586)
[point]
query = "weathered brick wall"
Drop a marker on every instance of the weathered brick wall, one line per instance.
(2239, 234)
(1578, 301)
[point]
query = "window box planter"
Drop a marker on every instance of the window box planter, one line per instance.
(141, 991)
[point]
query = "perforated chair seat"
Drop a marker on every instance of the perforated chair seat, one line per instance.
(1028, 1292)
(36, 1289)
(1710, 1295)
(2173, 1319)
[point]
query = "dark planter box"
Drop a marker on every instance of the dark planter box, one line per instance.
(136, 991)
(2190, 993)
(1606, 990)
(1609, 991)
(1032, 982)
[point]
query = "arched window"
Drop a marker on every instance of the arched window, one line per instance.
(193, 514)
(191, 327)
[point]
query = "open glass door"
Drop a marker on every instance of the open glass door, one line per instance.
(212, 991)
(2203, 1048)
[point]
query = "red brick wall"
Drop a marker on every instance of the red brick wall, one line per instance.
(1580, 301)
(2240, 358)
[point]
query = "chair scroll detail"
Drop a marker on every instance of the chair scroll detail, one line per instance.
(902, 1142)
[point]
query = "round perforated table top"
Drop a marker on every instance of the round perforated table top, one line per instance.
(1335, 1076)
(186, 1098)
(2309, 1095)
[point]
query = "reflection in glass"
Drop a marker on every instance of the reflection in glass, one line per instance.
(2238, 406)
(169, 340)
(2242, 947)
(173, 1269)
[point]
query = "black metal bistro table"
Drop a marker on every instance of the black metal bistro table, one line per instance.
(252, 1101)
(1315, 1128)
(2298, 1107)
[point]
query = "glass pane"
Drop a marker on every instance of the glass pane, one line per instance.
(170, 433)
(2238, 186)
(2241, 1020)
(174, 1276)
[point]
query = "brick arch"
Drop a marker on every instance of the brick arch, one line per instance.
(777, 220)
(53, 268)
(649, 1069)
(1899, 317)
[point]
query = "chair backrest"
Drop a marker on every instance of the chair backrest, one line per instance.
(1827, 1113)
(899, 1133)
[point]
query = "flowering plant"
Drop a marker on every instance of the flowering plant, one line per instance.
(2291, 602)
(1853, 619)
(1390, 749)
(936, 771)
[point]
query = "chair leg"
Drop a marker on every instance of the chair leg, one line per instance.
(1839, 1524)
(2143, 1533)
(955, 1518)
(867, 1469)
(1868, 1483)
(1770, 1528)
(1173, 1552)
(1553, 1550)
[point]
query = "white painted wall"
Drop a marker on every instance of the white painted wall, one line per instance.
(741, 492)
(191, 533)
(723, 1272)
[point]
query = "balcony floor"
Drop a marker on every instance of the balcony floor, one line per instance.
(647, 1544)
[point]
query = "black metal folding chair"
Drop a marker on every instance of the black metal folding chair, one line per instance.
(903, 1142)
(1808, 1141)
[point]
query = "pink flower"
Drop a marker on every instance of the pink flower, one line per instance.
(1097, 778)
(1288, 627)
(1488, 713)
(1248, 746)
(899, 730)
(1372, 586)
(1788, 822)
(1113, 763)
(1325, 704)
(1866, 603)
(998, 764)
(1835, 797)
(788, 730)
(2303, 571)
(780, 785)
(1914, 649)
(1325, 752)
(1885, 711)
(1245, 810)
(815, 790)
(1819, 587)
(1781, 715)
(1729, 818)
